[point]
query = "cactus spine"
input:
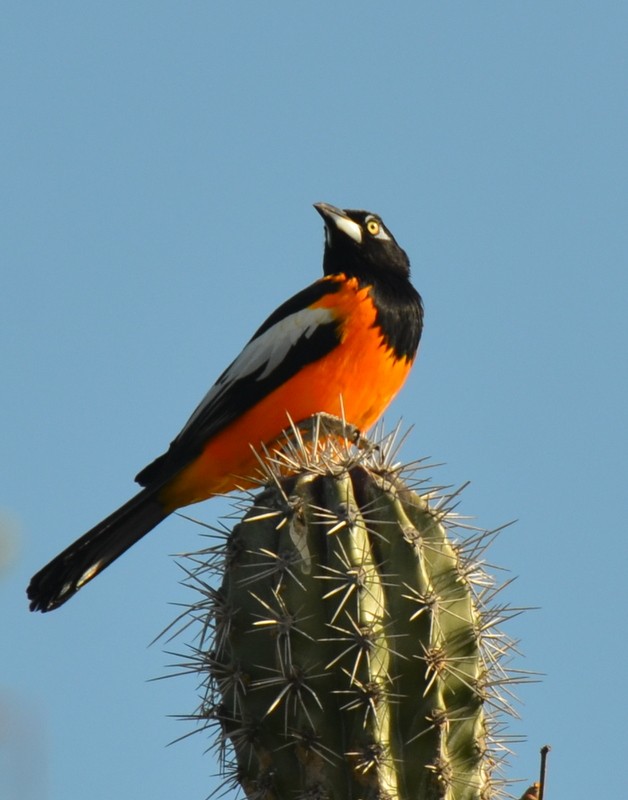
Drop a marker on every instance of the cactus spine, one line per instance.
(354, 649)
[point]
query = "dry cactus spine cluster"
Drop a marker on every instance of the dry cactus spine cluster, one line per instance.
(348, 638)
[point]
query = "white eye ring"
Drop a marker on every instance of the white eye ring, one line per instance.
(375, 228)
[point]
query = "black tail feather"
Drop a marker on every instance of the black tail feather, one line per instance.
(80, 562)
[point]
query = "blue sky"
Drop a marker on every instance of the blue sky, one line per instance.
(159, 165)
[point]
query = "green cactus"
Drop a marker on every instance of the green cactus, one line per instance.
(355, 650)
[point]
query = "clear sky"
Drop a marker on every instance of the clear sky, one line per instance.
(159, 162)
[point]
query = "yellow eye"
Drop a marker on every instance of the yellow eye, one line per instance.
(372, 226)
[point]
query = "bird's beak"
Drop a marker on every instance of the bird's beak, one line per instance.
(337, 219)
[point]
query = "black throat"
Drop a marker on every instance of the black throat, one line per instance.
(399, 313)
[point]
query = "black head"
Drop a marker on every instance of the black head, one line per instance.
(358, 243)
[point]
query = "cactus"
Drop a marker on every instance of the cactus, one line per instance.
(353, 648)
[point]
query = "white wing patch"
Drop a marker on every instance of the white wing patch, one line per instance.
(266, 352)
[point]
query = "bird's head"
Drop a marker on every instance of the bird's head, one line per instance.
(358, 243)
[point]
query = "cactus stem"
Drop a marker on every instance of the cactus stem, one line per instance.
(358, 651)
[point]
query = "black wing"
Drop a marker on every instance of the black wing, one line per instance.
(294, 335)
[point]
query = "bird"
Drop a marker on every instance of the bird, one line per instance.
(342, 346)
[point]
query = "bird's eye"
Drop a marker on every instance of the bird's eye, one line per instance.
(372, 226)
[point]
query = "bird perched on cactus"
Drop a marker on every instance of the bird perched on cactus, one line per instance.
(342, 346)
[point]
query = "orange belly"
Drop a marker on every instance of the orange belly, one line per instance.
(361, 370)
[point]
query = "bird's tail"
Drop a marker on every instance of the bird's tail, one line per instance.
(80, 562)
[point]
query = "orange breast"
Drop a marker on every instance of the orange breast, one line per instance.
(361, 370)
